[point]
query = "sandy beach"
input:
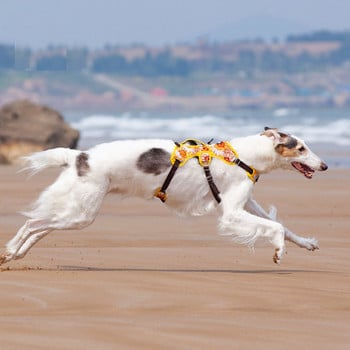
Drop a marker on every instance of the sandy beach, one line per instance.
(141, 278)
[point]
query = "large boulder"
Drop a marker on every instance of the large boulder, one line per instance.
(26, 127)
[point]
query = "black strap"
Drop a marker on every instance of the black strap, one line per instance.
(161, 192)
(244, 166)
(211, 183)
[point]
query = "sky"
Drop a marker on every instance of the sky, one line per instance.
(95, 23)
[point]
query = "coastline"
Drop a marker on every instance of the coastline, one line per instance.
(140, 277)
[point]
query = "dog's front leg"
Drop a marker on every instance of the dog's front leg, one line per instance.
(309, 243)
(245, 227)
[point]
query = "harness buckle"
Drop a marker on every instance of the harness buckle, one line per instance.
(254, 176)
(160, 194)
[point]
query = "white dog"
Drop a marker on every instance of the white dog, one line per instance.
(140, 167)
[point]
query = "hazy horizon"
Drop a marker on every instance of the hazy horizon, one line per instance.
(39, 23)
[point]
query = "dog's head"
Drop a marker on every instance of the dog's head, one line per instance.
(293, 153)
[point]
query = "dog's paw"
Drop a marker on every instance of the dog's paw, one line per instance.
(310, 244)
(4, 258)
(278, 255)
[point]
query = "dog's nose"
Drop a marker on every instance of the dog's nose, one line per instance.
(324, 166)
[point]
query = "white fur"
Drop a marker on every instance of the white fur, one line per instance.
(73, 202)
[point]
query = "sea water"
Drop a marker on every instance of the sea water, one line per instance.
(326, 130)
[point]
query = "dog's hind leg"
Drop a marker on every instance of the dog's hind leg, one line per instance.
(23, 250)
(74, 210)
(308, 243)
(33, 231)
(26, 237)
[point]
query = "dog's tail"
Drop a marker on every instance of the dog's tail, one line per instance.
(56, 157)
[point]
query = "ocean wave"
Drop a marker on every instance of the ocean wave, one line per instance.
(313, 129)
(334, 132)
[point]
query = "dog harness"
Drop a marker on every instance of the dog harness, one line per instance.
(204, 152)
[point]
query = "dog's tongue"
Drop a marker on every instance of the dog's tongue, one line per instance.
(304, 169)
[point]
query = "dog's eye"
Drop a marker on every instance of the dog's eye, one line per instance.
(301, 149)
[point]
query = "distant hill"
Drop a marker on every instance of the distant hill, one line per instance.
(267, 27)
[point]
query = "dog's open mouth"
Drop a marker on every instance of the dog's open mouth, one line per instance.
(304, 169)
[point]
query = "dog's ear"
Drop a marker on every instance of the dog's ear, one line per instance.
(279, 138)
(269, 131)
(276, 136)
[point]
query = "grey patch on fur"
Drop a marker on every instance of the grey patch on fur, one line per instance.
(82, 164)
(290, 141)
(154, 161)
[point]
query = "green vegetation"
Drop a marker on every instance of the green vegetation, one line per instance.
(320, 35)
(7, 56)
(226, 58)
(162, 64)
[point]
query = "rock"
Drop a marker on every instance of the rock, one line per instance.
(26, 127)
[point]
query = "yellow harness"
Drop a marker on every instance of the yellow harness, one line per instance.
(204, 152)
(223, 150)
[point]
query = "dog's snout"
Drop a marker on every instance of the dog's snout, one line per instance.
(324, 166)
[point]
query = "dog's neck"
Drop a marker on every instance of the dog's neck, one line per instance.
(257, 151)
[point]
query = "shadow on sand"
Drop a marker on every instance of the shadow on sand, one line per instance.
(66, 268)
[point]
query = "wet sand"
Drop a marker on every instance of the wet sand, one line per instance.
(142, 278)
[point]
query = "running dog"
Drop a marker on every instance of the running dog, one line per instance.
(140, 167)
